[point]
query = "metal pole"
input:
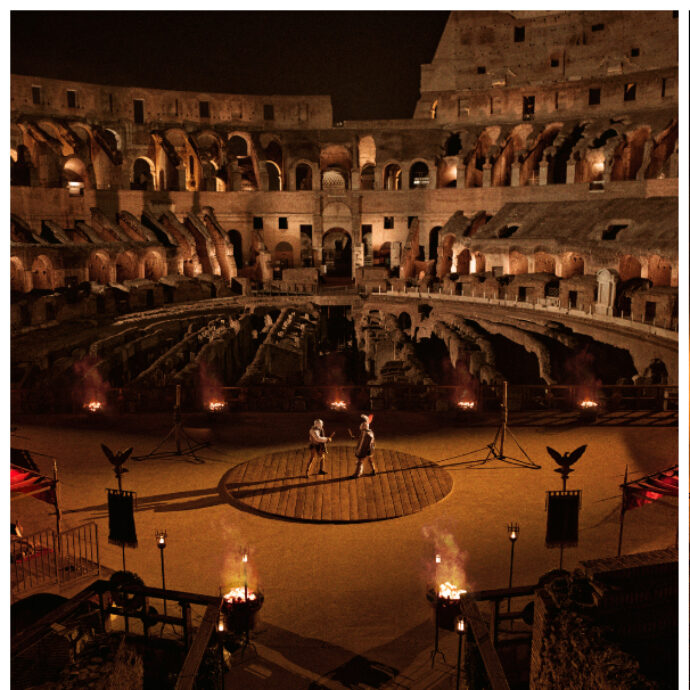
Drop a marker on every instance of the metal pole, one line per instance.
(165, 601)
(457, 674)
(622, 516)
(510, 576)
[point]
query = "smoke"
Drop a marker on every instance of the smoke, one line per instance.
(580, 370)
(90, 385)
(234, 568)
(452, 559)
(209, 385)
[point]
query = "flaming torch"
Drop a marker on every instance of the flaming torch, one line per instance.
(588, 409)
(94, 406)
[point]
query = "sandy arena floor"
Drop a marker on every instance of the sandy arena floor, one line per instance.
(332, 591)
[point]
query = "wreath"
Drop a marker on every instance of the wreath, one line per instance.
(129, 601)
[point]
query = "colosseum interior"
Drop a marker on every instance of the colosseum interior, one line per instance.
(505, 257)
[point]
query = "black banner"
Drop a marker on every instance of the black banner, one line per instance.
(562, 518)
(121, 518)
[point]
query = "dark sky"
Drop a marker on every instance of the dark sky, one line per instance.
(367, 61)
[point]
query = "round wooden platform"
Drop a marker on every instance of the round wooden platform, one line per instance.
(275, 485)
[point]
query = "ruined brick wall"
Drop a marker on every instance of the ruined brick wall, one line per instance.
(569, 646)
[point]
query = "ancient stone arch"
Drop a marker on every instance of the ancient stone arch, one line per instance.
(153, 265)
(42, 273)
(392, 177)
(419, 175)
(629, 267)
(659, 271)
(17, 280)
(283, 255)
(143, 174)
(99, 267)
(517, 262)
(126, 266)
(544, 262)
(572, 264)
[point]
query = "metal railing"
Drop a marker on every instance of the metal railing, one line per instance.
(286, 398)
(46, 558)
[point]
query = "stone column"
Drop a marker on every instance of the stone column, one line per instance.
(181, 178)
(486, 174)
(515, 174)
(355, 179)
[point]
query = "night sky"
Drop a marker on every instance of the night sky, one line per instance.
(367, 61)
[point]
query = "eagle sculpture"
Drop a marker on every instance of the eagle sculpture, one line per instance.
(566, 460)
(117, 459)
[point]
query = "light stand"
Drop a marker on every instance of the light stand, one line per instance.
(161, 542)
(436, 650)
(497, 446)
(460, 630)
(179, 434)
(513, 531)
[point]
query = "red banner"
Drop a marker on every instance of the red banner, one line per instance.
(33, 484)
(651, 488)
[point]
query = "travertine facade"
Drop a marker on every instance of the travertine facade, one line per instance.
(542, 143)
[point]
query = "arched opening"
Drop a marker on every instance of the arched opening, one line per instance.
(367, 151)
(367, 177)
(142, 175)
(572, 265)
(419, 175)
(306, 250)
(237, 146)
(478, 264)
(236, 241)
(462, 263)
(42, 273)
(544, 263)
(659, 271)
(629, 267)
(20, 168)
(125, 267)
(433, 243)
(404, 321)
(99, 268)
(444, 262)
(333, 179)
(303, 177)
(392, 177)
(517, 263)
(337, 253)
(283, 255)
(75, 172)
(154, 266)
(16, 274)
(274, 177)
(453, 145)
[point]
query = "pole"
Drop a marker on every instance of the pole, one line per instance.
(457, 674)
(165, 600)
(178, 417)
(622, 515)
(510, 576)
(505, 416)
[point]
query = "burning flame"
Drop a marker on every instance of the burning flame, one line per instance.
(467, 405)
(449, 591)
(589, 404)
(216, 405)
(338, 405)
(93, 406)
(236, 595)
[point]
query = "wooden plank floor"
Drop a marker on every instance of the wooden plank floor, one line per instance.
(276, 485)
